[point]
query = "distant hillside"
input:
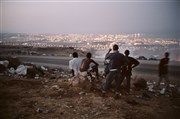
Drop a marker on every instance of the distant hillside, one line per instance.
(49, 51)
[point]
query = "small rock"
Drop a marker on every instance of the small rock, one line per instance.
(55, 87)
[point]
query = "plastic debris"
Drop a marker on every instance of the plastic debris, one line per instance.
(162, 91)
(21, 70)
(11, 70)
(44, 68)
(36, 76)
(150, 88)
(172, 86)
(5, 63)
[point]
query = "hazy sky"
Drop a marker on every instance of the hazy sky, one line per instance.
(91, 17)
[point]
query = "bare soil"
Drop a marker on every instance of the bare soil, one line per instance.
(44, 98)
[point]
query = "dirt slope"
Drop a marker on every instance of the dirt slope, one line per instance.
(22, 98)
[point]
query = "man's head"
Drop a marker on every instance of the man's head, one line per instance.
(88, 55)
(166, 54)
(115, 47)
(75, 54)
(126, 52)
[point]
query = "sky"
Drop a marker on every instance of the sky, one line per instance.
(91, 16)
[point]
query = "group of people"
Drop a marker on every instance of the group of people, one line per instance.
(84, 66)
(118, 68)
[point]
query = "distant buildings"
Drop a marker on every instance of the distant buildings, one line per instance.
(137, 43)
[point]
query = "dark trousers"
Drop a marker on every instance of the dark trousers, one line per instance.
(113, 75)
(128, 79)
(72, 72)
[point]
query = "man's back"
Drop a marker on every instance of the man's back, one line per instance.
(75, 64)
(116, 60)
(127, 70)
(85, 64)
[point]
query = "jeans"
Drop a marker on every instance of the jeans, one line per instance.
(113, 75)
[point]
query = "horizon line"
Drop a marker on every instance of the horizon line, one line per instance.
(76, 1)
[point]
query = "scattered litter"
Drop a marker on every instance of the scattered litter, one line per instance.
(150, 88)
(44, 68)
(149, 83)
(11, 70)
(162, 91)
(5, 63)
(81, 93)
(21, 70)
(36, 76)
(171, 86)
(55, 87)
(162, 83)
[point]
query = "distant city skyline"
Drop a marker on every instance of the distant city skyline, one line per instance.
(153, 17)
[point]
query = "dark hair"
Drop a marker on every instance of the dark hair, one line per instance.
(126, 52)
(75, 54)
(88, 55)
(166, 54)
(115, 47)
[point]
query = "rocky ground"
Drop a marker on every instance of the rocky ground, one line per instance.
(57, 97)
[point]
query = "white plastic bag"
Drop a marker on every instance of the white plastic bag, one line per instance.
(21, 70)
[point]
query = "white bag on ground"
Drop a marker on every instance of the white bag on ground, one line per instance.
(21, 70)
(11, 70)
(5, 63)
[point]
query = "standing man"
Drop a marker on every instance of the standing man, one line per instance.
(86, 66)
(117, 60)
(127, 70)
(74, 64)
(163, 71)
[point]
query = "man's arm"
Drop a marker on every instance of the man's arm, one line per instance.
(94, 62)
(70, 64)
(135, 63)
(108, 54)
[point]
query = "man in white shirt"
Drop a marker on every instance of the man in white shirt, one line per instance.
(74, 64)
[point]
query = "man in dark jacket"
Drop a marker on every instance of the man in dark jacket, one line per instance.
(117, 60)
